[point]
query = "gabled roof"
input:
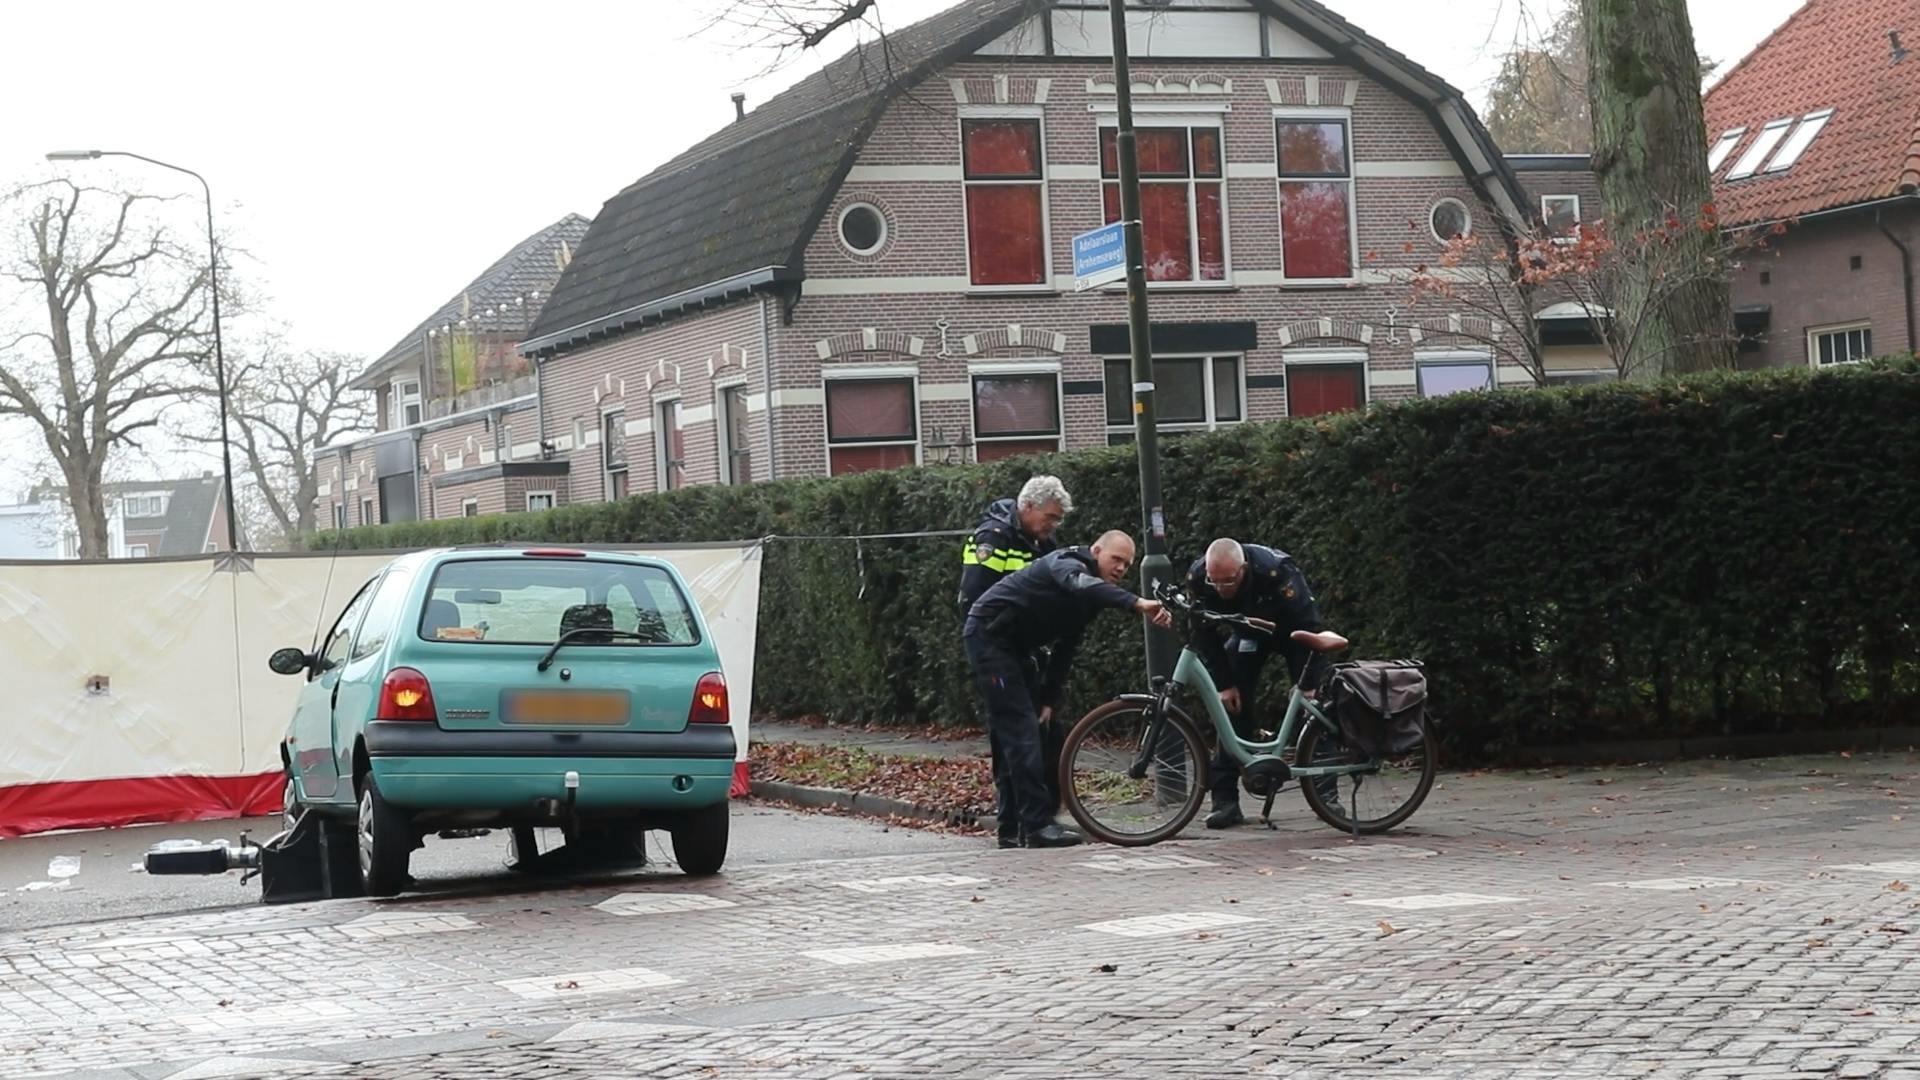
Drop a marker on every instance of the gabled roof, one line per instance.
(186, 526)
(736, 211)
(532, 265)
(1831, 54)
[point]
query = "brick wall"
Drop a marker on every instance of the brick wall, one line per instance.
(1808, 279)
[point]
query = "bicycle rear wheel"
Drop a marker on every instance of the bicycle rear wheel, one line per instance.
(1385, 796)
(1096, 781)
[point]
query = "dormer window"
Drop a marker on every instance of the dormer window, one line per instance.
(1796, 146)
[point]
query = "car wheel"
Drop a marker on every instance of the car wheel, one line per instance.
(386, 842)
(700, 839)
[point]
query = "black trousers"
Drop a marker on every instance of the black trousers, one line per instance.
(1009, 683)
(1246, 658)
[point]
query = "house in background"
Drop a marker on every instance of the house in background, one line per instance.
(873, 270)
(1817, 131)
(146, 519)
(453, 396)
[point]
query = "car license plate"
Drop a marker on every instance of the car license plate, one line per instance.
(600, 708)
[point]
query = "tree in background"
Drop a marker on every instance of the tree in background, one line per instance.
(1538, 102)
(111, 315)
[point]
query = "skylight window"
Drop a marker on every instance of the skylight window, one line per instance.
(1803, 136)
(1770, 137)
(1718, 155)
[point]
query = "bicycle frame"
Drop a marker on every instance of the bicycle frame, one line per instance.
(1191, 675)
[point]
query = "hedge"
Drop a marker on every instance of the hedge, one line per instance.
(1727, 554)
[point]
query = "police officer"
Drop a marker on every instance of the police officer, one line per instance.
(1049, 603)
(1262, 583)
(1015, 533)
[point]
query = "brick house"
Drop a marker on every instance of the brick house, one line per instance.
(1818, 131)
(872, 269)
(454, 403)
(146, 519)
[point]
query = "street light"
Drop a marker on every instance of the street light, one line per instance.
(219, 356)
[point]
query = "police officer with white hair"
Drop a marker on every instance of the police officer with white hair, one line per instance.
(1013, 535)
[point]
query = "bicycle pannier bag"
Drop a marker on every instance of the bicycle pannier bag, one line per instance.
(1380, 705)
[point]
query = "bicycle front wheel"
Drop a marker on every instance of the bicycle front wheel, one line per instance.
(1370, 802)
(1104, 751)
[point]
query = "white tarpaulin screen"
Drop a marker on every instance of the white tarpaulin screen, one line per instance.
(139, 690)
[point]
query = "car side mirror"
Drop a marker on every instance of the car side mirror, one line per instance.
(291, 661)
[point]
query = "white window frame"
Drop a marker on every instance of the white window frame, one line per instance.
(607, 468)
(661, 441)
(840, 229)
(340, 516)
(404, 399)
(910, 375)
(144, 506)
(1352, 180)
(1453, 358)
(366, 512)
(1218, 125)
(1764, 144)
(1037, 114)
(1546, 218)
(1815, 333)
(1208, 392)
(1795, 145)
(552, 497)
(723, 430)
(1044, 369)
(1723, 148)
(1329, 357)
(1466, 212)
(137, 551)
(469, 508)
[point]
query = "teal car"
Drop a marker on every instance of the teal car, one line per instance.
(466, 690)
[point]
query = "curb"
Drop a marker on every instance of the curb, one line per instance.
(863, 804)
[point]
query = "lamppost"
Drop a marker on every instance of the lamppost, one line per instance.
(219, 356)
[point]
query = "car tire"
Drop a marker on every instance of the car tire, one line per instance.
(700, 839)
(290, 808)
(386, 842)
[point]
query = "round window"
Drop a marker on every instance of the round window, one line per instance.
(862, 228)
(1451, 220)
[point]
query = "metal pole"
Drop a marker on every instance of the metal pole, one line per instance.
(1155, 567)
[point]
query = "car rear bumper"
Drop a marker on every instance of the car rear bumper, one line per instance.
(422, 767)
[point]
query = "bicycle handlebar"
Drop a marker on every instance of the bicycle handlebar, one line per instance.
(1180, 600)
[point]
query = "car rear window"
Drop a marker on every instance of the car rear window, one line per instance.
(533, 601)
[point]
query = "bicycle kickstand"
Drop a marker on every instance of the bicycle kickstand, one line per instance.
(1266, 812)
(1353, 814)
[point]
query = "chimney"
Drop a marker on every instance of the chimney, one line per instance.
(1899, 50)
(739, 106)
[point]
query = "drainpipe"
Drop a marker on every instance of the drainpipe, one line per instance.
(1906, 270)
(766, 373)
(539, 413)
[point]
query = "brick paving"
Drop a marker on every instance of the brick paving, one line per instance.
(1733, 919)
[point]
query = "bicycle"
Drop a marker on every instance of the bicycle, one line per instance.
(1133, 772)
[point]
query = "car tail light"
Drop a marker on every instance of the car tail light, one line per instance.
(554, 553)
(709, 700)
(406, 695)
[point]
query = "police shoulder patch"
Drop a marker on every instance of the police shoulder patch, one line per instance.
(983, 552)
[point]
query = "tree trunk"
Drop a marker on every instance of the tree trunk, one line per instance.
(1650, 157)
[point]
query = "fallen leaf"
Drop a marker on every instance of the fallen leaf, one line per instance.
(1814, 942)
(1107, 968)
(1205, 935)
(1846, 753)
(1897, 886)
(570, 984)
(1828, 921)
(224, 1002)
(496, 1034)
(1704, 907)
(1895, 930)
(979, 899)
(1267, 871)
(1232, 900)
(1387, 929)
(1863, 1012)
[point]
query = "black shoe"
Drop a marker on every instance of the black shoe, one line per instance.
(1225, 817)
(1009, 840)
(1052, 836)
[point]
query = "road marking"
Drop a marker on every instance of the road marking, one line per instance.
(1426, 901)
(880, 954)
(384, 925)
(302, 1014)
(1369, 853)
(596, 1030)
(1178, 922)
(220, 1067)
(1676, 884)
(1897, 869)
(1121, 864)
(548, 987)
(660, 903)
(910, 883)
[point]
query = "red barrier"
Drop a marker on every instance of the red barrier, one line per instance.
(101, 804)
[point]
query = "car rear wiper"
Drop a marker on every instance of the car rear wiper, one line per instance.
(547, 660)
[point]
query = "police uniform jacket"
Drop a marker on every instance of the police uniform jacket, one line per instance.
(998, 547)
(1049, 603)
(1275, 590)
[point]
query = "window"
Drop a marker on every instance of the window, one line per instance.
(1450, 220)
(871, 425)
(470, 508)
(1561, 214)
(136, 551)
(1441, 374)
(1316, 200)
(70, 546)
(340, 638)
(613, 453)
(145, 506)
(1839, 344)
(1191, 393)
(539, 500)
(1324, 381)
(1183, 209)
(406, 404)
(1803, 136)
(533, 601)
(1015, 413)
(1718, 155)
(366, 511)
(1006, 201)
(1770, 137)
(1580, 378)
(670, 447)
(388, 598)
(340, 515)
(863, 229)
(736, 444)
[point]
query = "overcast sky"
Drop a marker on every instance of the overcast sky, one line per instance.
(373, 157)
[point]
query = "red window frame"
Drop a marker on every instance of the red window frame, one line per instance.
(1183, 199)
(1316, 202)
(1003, 164)
(847, 453)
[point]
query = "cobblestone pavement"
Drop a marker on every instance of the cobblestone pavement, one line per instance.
(1741, 920)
